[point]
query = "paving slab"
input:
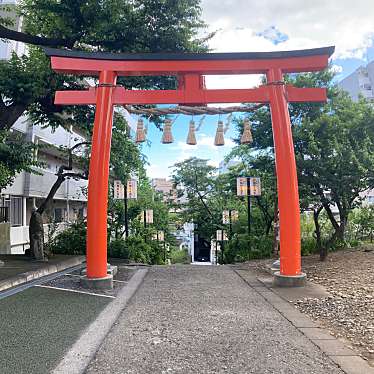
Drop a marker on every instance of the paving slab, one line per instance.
(186, 319)
(316, 333)
(19, 269)
(334, 347)
(353, 364)
(311, 290)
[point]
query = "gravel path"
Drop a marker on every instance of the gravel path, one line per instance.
(192, 319)
(348, 313)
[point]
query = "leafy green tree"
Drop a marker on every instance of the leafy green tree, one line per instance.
(196, 180)
(110, 25)
(28, 85)
(333, 147)
(336, 157)
(15, 156)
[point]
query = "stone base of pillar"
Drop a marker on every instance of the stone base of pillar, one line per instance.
(105, 283)
(289, 280)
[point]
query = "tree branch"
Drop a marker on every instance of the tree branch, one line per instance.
(18, 36)
(200, 197)
(61, 176)
(10, 114)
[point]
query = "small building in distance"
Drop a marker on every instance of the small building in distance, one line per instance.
(165, 187)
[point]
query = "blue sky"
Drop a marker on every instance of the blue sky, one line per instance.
(265, 25)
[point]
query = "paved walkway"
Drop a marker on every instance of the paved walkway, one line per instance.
(205, 319)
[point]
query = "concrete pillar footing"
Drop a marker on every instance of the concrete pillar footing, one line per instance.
(105, 283)
(111, 269)
(280, 280)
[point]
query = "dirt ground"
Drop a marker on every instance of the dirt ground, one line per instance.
(348, 313)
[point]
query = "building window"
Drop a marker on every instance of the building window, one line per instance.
(81, 213)
(58, 215)
(364, 72)
(15, 209)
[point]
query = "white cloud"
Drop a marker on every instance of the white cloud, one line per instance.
(157, 171)
(337, 68)
(232, 81)
(204, 149)
(308, 24)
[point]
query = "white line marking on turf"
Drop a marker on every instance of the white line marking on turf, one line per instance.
(84, 349)
(76, 291)
(114, 280)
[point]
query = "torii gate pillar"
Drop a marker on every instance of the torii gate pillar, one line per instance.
(190, 69)
(98, 178)
(288, 192)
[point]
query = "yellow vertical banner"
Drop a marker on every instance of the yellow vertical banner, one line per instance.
(241, 186)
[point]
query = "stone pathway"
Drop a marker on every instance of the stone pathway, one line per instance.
(205, 319)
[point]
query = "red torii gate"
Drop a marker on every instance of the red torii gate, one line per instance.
(190, 68)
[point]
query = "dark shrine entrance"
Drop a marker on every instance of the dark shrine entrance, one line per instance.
(201, 249)
(190, 68)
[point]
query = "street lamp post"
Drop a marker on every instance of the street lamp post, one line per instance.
(125, 191)
(147, 218)
(248, 186)
(126, 211)
(160, 237)
(221, 236)
(228, 217)
(249, 212)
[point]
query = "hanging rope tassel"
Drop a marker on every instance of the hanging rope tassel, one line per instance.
(191, 138)
(167, 136)
(140, 132)
(219, 139)
(247, 135)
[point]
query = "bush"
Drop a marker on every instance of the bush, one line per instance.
(135, 249)
(118, 248)
(71, 241)
(242, 248)
(179, 256)
(308, 246)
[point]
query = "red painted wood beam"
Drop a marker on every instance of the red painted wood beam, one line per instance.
(139, 97)
(142, 97)
(299, 95)
(83, 66)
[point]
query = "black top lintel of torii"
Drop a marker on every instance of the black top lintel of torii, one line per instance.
(52, 52)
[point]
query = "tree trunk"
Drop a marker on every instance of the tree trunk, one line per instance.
(36, 227)
(36, 233)
(322, 249)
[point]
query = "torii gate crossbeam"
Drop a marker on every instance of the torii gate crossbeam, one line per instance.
(190, 69)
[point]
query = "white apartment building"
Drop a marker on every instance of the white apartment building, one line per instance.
(360, 82)
(27, 190)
